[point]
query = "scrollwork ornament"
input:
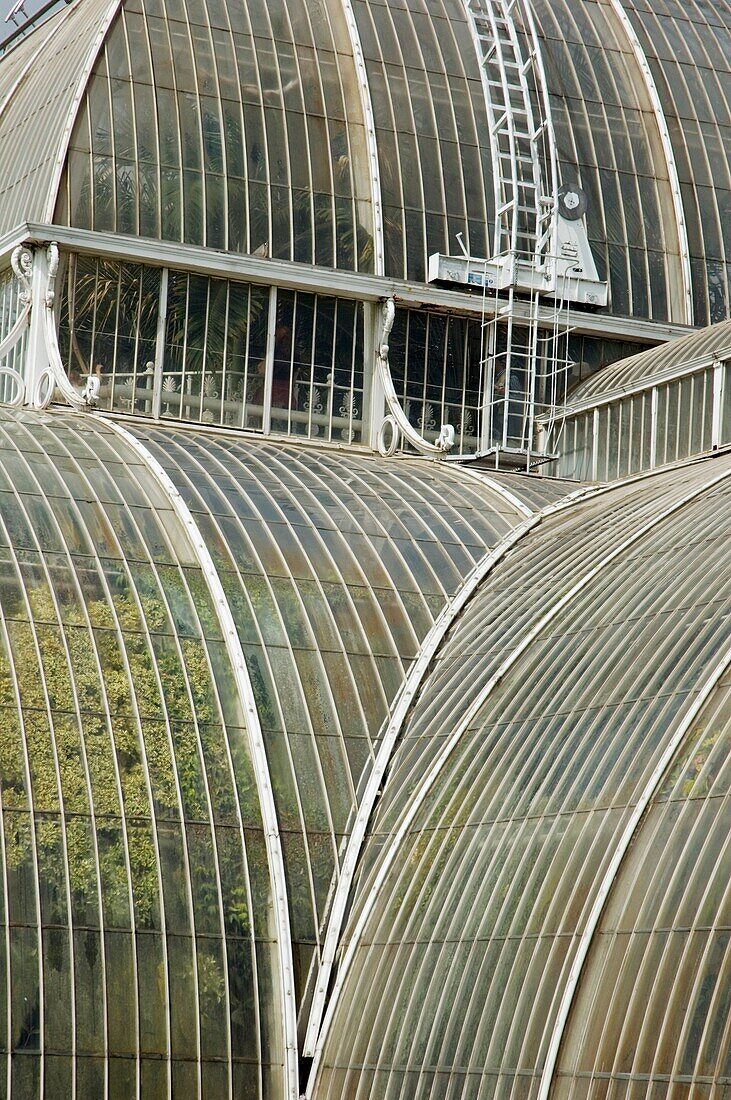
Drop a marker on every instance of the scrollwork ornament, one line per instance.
(397, 421)
(389, 316)
(22, 264)
(53, 257)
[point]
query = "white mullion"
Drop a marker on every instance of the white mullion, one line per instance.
(115, 334)
(331, 385)
(204, 353)
(247, 358)
(160, 336)
(266, 423)
(719, 385)
(224, 357)
(137, 339)
(313, 353)
(653, 426)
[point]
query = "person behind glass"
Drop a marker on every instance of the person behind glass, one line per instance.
(282, 370)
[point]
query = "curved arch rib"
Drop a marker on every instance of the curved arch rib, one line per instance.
(369, 122)
(667, 145)
(63, 146)
(470, 715)
(256, 746)
(587, 936)
(390, 735)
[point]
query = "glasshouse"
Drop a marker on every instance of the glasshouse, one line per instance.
(365, 556)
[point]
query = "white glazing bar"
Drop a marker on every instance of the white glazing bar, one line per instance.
(374, 398)
(390, 853)
(496, 486)
(266, 420)
(258, 755)
(653, 428)
(651, 788)
(369, 122)
(717, 415)
(667, 145)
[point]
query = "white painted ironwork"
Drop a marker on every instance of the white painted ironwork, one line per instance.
(540, 244)
(618, 856)
(258, 754)
(298, 276)
(667, 146)
(43, 371)
(720, 381)
(370, 136)
(15, 302)
(396, 838)
(397, 420)
(700, 426)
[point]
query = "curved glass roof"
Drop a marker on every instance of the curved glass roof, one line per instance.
(713, 342)
(667, 916)
(247, 128)
(431, 121)
(236, 126)
(335, 568)
(609, 143)
(34, 119)
(138, 943)
(141, 941)
(22, 54)
(687, 49)
(534, 741)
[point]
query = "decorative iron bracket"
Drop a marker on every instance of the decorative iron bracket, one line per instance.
(396, 420)
(41, 374)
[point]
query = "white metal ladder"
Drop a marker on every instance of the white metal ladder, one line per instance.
(521, 138)
(521, 363)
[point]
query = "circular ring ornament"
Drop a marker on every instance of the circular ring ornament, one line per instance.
(19, 396)
(43, 391)
(572, 202)
(387, 447)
